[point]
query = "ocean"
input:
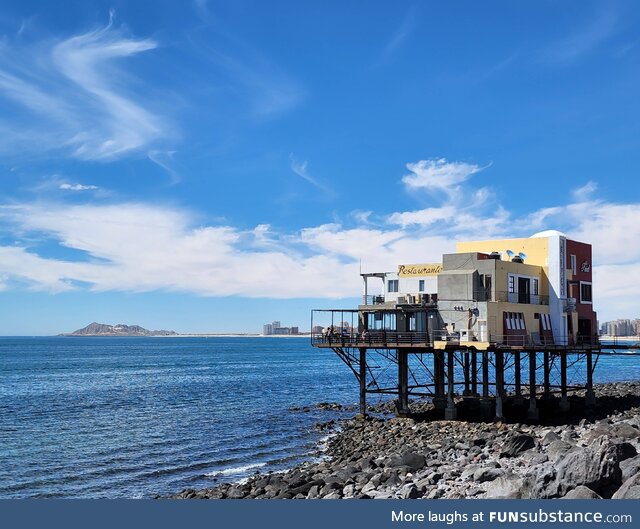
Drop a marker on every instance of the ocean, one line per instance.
(139, 417)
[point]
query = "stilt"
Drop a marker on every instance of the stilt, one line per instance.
(564, 401)
(438, 372)
(485, 402)
(546, 388)
(499, 384)
(450, 411)
(474, 373)
(532, 412)
(403, 382)
(467, 374)
(590, 396)
(518, 399)
(363, 381)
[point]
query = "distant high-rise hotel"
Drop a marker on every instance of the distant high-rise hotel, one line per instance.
(275, 328)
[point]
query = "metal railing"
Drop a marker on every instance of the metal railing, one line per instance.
(511, 297)
(373, 300)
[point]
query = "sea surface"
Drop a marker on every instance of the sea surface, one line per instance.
(138, 417)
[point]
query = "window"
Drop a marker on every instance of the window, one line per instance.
(512, 284)
(574, 264)
(534, 287)
(392, 285)
(585, 292)
(421, 285)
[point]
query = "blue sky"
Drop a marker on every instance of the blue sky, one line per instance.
(210, 166)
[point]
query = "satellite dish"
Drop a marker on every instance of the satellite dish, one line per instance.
(522, 255)
(510, 253)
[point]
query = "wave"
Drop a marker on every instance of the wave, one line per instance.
(234, 470)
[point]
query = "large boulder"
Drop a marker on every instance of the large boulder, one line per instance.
(516, 444)
(630, 489)
(582, 493)
(596, 467)
(509, 486)
(630, 467)
(557, 450)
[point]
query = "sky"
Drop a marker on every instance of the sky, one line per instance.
(210, 166)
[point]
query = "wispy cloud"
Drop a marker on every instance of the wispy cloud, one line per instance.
(137, 247)
(584, 39)
(164, 160)
(77, 187)
(72, 97)
(401, 34)
(302, 170)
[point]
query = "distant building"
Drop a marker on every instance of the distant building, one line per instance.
(276, 328)
(621, 327)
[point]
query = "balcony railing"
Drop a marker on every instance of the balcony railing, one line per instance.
(373, 300)
(511, 297)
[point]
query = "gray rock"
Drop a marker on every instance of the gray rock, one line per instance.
(487, 474)
(595, 467)
(549, 438)
(624, 431)
(630, 489)
(630, 467)
(625, 450)
(412, 460)
(505, 487)
(409, 492)
(517, 444)
(557, 449)
(582, 493)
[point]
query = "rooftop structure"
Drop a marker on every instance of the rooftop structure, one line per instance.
(470, 321)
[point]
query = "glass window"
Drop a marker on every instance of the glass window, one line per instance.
(421, 285)
(574, 265)
(535, 287)
(585, 293)
(512, 284)
(393, 285)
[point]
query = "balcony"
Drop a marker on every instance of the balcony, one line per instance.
(511, 297)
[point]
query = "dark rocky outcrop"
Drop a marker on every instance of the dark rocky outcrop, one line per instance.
(102, 329)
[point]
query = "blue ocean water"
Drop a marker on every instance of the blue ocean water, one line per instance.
(136, 417)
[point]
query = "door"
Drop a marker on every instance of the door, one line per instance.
(524, 290)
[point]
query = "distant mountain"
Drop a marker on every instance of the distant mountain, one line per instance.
(102, 329)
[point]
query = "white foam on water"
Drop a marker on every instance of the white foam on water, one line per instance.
(234, 470)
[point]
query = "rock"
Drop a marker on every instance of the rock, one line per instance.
(595, 467)
(235, 493)
(624, 431)
(630, 467)
(557, 449)
(630, 489)
(487, 474)
(409, 492)
(505, 487)
(582, 493)
(549, 438)
(413, 460)
(517, 444)
(625, 450)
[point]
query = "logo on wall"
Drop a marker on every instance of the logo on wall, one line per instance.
(585, 267)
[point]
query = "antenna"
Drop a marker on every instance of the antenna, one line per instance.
(510, 253)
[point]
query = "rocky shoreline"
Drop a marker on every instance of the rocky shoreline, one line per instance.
(594, 455)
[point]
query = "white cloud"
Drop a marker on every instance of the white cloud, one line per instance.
(141, 247)
(76, 187)
(73, 95)
(438, 175)
(301, 169)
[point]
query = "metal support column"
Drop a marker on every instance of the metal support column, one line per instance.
(438, 373)
(363, 381)
(485, 403)
(499, 384)
(590, 396)
(403, 382)
(564, 401)
(532, 412)
(467, 375)
(474, 373)
(546, 388)
(518, 399)
(450, 411)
